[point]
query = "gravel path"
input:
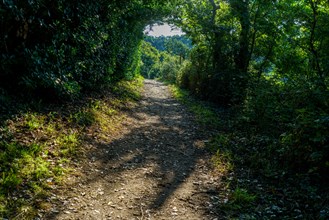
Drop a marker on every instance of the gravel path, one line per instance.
(156, 168)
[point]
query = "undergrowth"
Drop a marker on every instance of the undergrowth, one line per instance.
(256, 182)
(205, 115)
(37, 147)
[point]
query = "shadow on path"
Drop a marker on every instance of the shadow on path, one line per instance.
(156, 168)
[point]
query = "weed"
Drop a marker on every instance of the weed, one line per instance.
(35, 148)
(83, 118)
(220, 141)
(179, 94)
(25, 211)
(2, 205)
(68, 143)
(205, 115)
(34, 121)
(10, 180)
(117, 103)
(41, 168)
(223, 161)
(129, 90)
(51, 128)
(96, 104)
(59, 170)
(240, 198)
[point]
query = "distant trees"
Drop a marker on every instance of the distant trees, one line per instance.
(163, 43)
(163, 56)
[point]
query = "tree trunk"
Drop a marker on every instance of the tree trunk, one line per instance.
(241, 8)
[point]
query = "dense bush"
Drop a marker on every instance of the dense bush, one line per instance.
(269, 60)
(169, 67)
(297, 120)
(59, 48)
(150, 60)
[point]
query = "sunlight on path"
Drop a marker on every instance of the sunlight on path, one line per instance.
(153, 170)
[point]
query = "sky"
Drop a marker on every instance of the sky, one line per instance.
(165, 30)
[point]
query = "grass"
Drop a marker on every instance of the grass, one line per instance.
(238, 199)
(243, 157)
(205, 115)
(37, 147)
(34, 121)
(223, 148)
(223, 162)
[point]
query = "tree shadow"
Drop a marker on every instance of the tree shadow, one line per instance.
(161, 147)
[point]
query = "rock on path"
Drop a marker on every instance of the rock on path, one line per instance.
(156, 168)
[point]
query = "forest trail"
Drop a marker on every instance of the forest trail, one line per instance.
(156, 168)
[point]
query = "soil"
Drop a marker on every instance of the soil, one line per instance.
(156, 167)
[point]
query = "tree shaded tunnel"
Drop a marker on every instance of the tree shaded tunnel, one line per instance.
(248, 138)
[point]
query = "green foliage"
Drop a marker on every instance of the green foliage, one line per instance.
(20, 162)
(180, 94)
(240, 198)
(83, 118)
(150, 61)
(194, 77)
(177, 47)
(36, 148)
(267, 59)
(128, 91)
(219, 59)
(68, 143)
(169, 67)
(222, 161)
(57, 50)
(205, 115)
(163, 57)
(163, 43)
(33, 121)
(10, 180)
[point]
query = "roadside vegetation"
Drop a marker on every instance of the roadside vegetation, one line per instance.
(254, 185)
(262, 64)
(41, 145)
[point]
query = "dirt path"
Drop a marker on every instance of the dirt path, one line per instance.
(155, 169)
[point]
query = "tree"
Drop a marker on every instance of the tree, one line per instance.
(150, 60)
(62, 48)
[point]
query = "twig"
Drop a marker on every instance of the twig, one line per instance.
(142, 213)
